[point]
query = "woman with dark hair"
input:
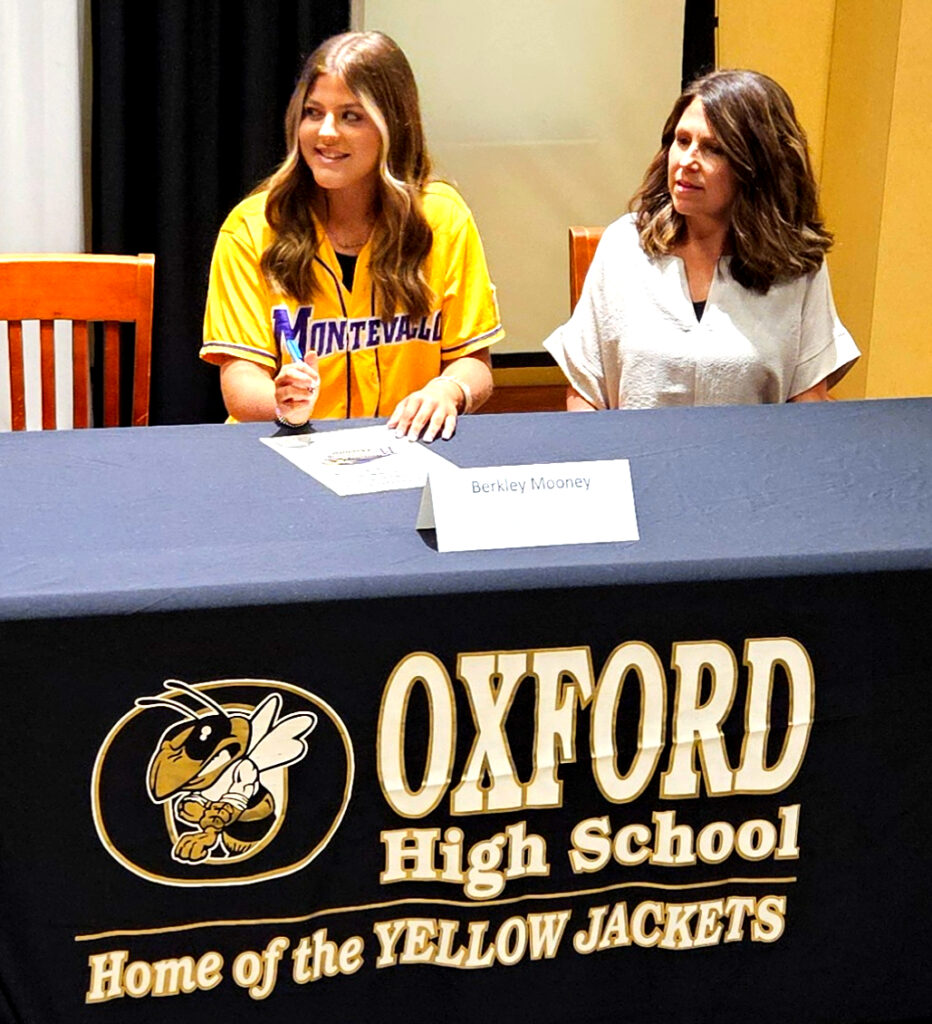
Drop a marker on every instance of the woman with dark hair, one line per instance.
(350, 283)
(713, 290)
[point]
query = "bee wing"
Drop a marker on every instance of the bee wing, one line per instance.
(283, 744)
(263, 719)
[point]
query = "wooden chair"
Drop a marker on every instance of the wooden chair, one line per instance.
(583, 242)
(80, 288)
(550, 397)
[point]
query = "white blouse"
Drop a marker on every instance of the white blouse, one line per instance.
(634, 341)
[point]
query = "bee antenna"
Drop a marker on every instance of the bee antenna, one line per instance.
(161, 702)
(171, 684)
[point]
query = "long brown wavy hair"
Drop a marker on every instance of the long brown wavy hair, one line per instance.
(374, 68)
(777, 231)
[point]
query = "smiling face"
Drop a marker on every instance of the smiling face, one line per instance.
(699, 176)
(339, 141)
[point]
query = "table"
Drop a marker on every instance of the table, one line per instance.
(681, 779)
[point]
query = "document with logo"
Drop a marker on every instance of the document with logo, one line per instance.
(359, 460)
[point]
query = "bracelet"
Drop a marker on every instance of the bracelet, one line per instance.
(282, 422)
(467, 394)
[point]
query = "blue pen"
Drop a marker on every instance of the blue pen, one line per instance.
(293, 350)
(295, 354)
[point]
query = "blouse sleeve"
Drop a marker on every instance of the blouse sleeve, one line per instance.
(826, 350)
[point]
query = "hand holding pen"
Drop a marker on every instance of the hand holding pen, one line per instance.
(297, 386)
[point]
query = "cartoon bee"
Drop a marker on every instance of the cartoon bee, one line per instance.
(219, 770)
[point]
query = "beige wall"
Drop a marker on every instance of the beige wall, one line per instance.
(860, 74)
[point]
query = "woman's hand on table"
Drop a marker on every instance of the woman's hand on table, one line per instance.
(429, 412)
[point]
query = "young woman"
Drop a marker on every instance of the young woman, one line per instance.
(351, 284)
(714, 290)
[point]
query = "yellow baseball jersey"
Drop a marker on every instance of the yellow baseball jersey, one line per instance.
(367, 365)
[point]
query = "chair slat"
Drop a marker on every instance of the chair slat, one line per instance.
(145, 285)
(81, 372)
(17, 376)
(111, 374)
(47, 363)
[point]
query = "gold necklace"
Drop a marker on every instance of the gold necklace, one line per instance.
(339, 243)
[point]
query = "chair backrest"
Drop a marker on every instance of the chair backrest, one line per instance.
(81, 288)
(583, 242)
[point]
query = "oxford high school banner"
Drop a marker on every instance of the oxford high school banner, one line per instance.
(670, 803)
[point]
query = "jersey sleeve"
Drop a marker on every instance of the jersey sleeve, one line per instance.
(469, 308)
(237, 318)
(826, 350)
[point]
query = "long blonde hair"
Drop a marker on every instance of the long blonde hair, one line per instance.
(776, 228)
(374, 68)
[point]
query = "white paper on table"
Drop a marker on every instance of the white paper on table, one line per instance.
(358, 460)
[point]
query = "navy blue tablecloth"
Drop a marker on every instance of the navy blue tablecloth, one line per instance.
(680, 779)
(206, 516)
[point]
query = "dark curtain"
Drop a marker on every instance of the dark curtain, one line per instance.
(189, 98)
(699, 28)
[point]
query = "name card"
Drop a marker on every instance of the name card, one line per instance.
(529, 506)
